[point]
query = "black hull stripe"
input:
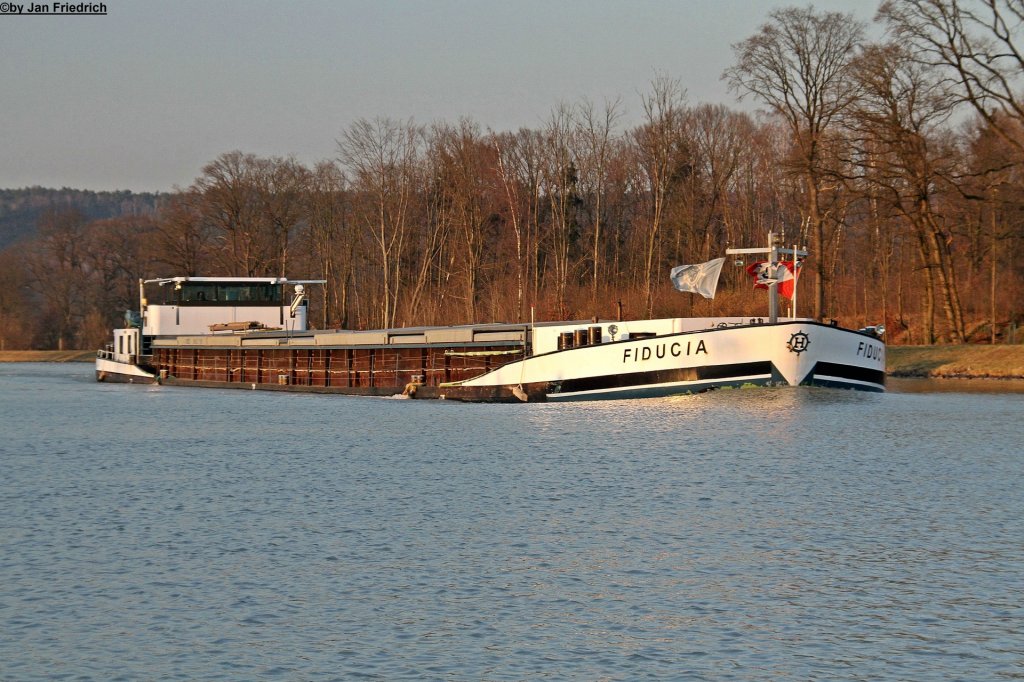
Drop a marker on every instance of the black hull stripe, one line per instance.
(831, 369)
(667, 376)
(827, 383)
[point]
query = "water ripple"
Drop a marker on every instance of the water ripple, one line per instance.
(168, 533)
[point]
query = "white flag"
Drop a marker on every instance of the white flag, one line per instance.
(700, 279)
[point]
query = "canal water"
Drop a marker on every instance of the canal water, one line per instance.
(166, 533)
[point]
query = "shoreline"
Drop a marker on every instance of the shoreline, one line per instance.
(47, 355)
(913, 362)
(955, 362)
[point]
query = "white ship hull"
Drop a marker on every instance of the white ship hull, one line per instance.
(790, 353)
(122, 371)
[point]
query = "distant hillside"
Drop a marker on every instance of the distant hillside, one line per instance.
(20, 208)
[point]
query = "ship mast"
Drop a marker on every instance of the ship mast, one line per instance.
(773, 252)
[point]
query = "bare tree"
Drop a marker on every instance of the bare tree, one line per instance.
(595, 130)
(384, 156)
(119, 257)
(460, 168)
(798, 64)
(720, 137)
(332, 241)
(16, 314)
(977, 43)
(899, 125)
(229, 205)
(561, 189)
(657, 143)
(59, 273)
(280, 187)
(519, 165)
(182, 235)
(758, 197)
(1000, 181)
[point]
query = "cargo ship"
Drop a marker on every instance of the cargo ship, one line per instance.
(252, 333)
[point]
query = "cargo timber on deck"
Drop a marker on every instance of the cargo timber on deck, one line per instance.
(245, 333)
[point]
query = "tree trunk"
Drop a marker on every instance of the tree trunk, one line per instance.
(929, 289)
(992, 283)
(939, 257)
(817, 246)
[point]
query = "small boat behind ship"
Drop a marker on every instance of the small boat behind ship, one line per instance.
(247, 333)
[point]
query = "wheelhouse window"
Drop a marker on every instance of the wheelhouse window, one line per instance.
(197, 293)
(222, 293)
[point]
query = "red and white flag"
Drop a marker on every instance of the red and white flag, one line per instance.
(784, 273)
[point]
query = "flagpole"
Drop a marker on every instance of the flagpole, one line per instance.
(773, 288)
(796, 280)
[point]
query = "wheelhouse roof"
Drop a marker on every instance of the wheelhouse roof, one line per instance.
(233, 280)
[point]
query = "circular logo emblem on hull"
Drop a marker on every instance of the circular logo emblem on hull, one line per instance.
(798, 343)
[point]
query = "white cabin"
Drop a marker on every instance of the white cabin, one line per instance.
(199, 305)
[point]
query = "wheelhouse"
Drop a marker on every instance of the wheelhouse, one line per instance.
(203, 305)
(210, 291)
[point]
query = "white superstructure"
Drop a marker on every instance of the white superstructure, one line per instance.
(194, 305)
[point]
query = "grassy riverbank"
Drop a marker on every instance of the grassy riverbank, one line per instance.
(956, 362)
(979, 362)
(47, 355)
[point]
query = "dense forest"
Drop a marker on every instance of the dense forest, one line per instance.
(897, 164)
(21, 210)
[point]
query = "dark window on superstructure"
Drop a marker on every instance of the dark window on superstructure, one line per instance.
(228, 294)
(197, 294)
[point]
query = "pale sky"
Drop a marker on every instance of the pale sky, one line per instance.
(143, 97)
